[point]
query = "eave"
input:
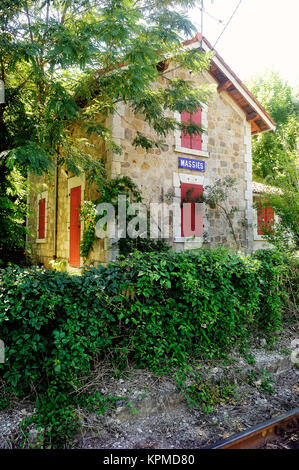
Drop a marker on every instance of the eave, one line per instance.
(229, 83)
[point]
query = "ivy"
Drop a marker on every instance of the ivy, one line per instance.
(108, 190)
(159, 310)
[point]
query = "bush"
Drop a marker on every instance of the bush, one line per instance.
(273, 289)
(159, 310)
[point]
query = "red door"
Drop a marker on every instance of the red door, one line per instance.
(75, 226)
(41, 218)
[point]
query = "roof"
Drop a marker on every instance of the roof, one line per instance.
(228, 82)
(259, 188)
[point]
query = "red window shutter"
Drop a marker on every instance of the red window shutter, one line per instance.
(41, 218)
(193, 222)
(185, 138)
(265, 219)
(194, 141)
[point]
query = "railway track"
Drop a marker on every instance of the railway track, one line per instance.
(258, 435)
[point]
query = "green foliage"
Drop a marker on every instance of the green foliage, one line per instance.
(270, 150)
(275, 158)
(273, 271)
(285, 234)
(262, 379)
(108, 190)
(207, 394)
(12, 214)
(127, 245)
(62, 62)
(158, 310)
(53, 326)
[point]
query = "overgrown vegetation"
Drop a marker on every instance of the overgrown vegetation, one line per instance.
(61, 63)
(12, 215)
(159, 311)
(276, 159)
(108, 190)
(272, 151)
(284, 235)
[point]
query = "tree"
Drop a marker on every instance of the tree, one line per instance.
(285, 203)
(67, 61)
(58, 56)
(276, 160)
(272, 150)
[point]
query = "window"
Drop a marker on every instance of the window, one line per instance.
(192, 213)
(195, 144)
(265, 219)
(194, 141)
(41, 216)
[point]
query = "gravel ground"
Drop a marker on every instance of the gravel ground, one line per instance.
(179, 426)
(151, 413)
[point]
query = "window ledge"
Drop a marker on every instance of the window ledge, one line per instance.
(259, 238)
(198, 153)
(187, 239)
(41, 240)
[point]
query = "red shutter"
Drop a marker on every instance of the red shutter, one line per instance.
(75, 226)
(185, 138)
(41, 218)
(193, 222)
(265, 219)
(194, 141)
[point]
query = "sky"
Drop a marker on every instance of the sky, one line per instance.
(263, 35)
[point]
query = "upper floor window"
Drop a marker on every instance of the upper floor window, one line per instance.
(195, 144)
(193, 141)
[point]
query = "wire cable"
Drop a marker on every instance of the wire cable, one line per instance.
(211, 16)
(233, 14)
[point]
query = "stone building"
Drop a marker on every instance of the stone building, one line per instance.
(230, 118)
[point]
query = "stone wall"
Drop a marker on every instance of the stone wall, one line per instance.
(43, 252)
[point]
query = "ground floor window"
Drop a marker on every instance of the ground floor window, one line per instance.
(265, 219)
(191, 210)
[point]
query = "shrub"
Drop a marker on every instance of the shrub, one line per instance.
(272, 272)
(159, 310)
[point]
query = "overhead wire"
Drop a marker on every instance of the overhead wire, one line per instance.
(226, 25)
